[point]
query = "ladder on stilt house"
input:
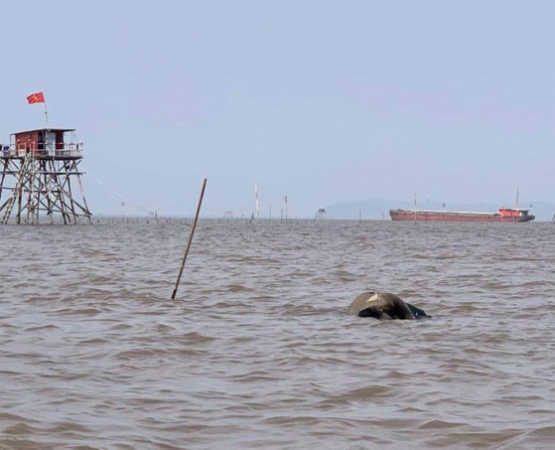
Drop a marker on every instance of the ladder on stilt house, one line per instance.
(23, 171)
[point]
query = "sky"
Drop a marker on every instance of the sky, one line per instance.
(323, 101)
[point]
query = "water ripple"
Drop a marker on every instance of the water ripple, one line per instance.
(257, 350)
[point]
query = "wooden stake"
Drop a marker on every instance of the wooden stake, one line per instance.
(190, 240)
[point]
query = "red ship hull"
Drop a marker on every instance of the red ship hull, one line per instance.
(504, 215)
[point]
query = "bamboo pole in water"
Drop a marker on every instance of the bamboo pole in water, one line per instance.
(190, 240)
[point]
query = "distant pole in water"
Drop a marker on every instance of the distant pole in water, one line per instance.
(285, 198)
(415, 207)
(190, 240)
(256, 205)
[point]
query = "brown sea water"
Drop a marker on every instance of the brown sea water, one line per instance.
(257, 350)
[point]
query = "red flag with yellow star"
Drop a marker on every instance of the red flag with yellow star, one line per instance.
(37, 97)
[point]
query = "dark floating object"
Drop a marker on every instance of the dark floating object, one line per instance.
(383, 305)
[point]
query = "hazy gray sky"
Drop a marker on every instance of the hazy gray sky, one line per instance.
(326, 101)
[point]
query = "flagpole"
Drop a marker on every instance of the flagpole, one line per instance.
(46, 113)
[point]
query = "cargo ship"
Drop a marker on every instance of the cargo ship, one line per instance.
(510, 215)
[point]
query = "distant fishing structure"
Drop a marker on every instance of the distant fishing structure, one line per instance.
(40, 173)
(125, 201)
(320, 215)
(256, 202)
